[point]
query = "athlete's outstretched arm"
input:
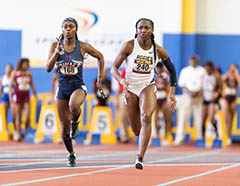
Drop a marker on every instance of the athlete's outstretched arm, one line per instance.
(162, 53)
(125, 51)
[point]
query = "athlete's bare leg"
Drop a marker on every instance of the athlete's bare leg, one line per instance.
(232, 110)
(211, 116)
(133, 113)
(226, 115)
(147, 104)
(18, 120)
(13, 113)
(204, 118)
(76, 100)
(157, 125)
(167, 118)
(26, 108)
(65, 118)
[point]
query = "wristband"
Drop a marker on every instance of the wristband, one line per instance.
(122, 81)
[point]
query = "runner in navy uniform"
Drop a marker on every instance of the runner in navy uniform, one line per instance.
(67, 53)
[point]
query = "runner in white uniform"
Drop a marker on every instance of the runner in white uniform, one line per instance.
(210, 93)
(142, 54)
(140, 69)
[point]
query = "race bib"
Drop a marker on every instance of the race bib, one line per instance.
(142, 68)
(143, 64)
(24, 86)
(231, 91)
(69, 70)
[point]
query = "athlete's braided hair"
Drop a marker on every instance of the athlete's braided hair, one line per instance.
(152, 36)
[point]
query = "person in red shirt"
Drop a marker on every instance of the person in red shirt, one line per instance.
(22, 79)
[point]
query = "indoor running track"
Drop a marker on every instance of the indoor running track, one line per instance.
(113, 165)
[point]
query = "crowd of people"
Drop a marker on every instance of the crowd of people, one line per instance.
(141, 94)
(202, 89)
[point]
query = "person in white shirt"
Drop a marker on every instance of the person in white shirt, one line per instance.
(190, 80)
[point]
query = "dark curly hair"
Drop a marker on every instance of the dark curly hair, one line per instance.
(20, 63)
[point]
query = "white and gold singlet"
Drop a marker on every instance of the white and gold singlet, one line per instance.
(140, 68)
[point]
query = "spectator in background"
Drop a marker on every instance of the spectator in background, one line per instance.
(163, 86)
(22, 79)
(123, 124)
(190, 80)
(231, 81)
(4, 93)
(211, 91)
(106, 87)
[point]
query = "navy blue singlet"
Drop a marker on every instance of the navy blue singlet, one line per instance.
(69, 67)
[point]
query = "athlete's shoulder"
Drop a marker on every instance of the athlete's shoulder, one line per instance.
(127, 47)
(129, 43)
(85, 46)
(162, 53)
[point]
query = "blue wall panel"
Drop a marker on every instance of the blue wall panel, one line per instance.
(221, 49)
(10, 47)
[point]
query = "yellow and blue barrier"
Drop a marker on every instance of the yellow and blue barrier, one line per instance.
(3, 124)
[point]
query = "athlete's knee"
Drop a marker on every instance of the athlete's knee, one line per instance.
(75, 108)
(146, 118)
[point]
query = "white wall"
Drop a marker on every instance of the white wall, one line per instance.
(218, 16)
(40, 21)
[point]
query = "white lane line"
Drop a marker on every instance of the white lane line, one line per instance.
(113, 165)
(89, 157)
(186, 156)
(198, 175)
(110, 169)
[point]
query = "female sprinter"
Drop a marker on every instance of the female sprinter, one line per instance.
(142, 53)
(67, 53)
